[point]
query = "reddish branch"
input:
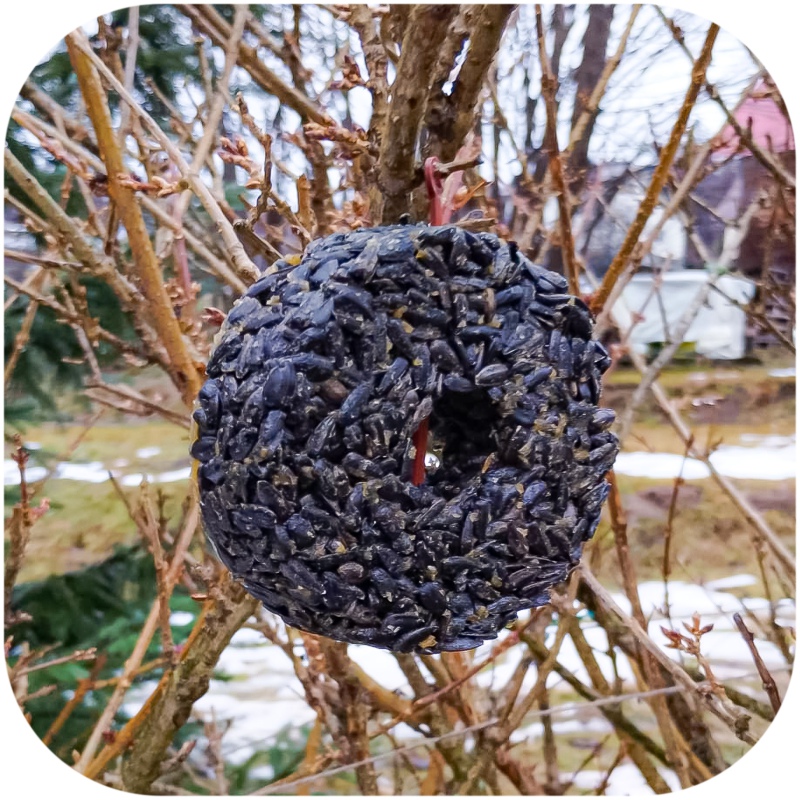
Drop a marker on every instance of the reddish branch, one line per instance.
(549, 86)
(767, 681)
(660, 174)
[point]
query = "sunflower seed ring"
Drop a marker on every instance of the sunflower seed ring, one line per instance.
(320, 377)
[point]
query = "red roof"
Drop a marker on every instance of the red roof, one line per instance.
(759, 113)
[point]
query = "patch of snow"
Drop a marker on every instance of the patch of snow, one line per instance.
(247, 636)
(379, 664)
(660, 466)
(786, 613)
(147, 452)
(761, 463)
(774, 459)
(136, 478)
(624, 781)
(255, 721)
(768, 440)
(90, 472)
(263, 696)
(732, 582)
(685, 599)
(11, 473)
(569, 658)
(784, 372)
(182, 474)
(93, 472)
(404, 731)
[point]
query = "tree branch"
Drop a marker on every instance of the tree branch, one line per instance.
(244, 267)
(148, 271)
(549, 88)
(659, 175)
(208, 21)
(409, 94)
(449, 118)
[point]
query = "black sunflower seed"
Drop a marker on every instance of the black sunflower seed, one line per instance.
(320, 379)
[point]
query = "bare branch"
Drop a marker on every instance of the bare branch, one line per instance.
(549, 88)
(449, 118)
(245, 268)
(659, 175)
(183, 371)
(409, 94)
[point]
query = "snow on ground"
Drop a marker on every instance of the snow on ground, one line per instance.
(784, 372)
(89, 472)
(162, 477)
(257, 690)
(732, 582)
(772, 458)
(757, 457)
(625, 781)
(11, 473)
(148, 452)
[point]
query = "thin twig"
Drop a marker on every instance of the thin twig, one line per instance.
(767, 681)
(130, 68)
(721, 709)
(659, 175)
(779, 172)
(245, 268)
(85, 764)
(38, 284)
(549, 88)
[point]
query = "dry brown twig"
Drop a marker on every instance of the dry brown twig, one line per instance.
(723, 710)
(217, 265)
(85, 763)
(691, 646)
(549, 88)
(768, 160)
(767, 681)
(245, 268)
(660, 174)
(87, 65)
(23, 517)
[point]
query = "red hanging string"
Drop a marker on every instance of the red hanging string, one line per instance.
(439, 214)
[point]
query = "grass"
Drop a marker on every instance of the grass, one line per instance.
(710, 538)
(86, 520)
(84, 524)
(108, 442)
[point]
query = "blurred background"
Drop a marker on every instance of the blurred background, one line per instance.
(161, 157)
